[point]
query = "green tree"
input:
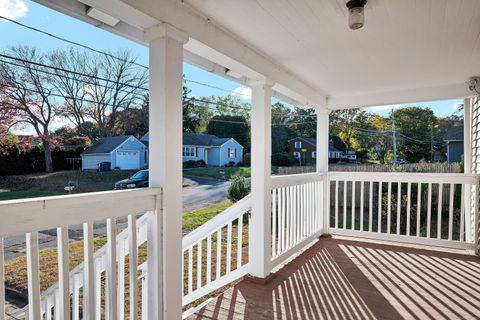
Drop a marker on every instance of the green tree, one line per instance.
(231, 126)
(416, 128)
(281, 130)
(348, 125)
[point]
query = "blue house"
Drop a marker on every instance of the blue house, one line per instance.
(213, 150)
(123, 152)
(454, 139)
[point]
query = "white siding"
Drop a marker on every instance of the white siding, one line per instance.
(89, 162)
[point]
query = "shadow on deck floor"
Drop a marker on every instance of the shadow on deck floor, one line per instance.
(341, 279)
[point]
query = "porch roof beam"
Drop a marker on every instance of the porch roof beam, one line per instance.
(410, 95)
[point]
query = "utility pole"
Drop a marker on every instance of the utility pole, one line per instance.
(394, 137)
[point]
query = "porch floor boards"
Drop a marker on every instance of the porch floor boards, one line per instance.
(344, 279)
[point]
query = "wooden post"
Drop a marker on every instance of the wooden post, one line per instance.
(323, 140)
(260, 227)
(165, 163)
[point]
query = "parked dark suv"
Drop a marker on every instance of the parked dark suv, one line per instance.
(138, 180)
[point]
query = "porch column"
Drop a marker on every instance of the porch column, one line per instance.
(323, 139)
(260, 228)
(467, 165)
(165, 166)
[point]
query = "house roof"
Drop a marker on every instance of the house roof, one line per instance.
(313, 141)
(106, 145)
(454, 133)
(195, 139)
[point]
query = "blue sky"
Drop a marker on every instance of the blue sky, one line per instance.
(40, 17)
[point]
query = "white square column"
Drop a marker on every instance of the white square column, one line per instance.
(260, 225)
(165, 280)
(323, 140)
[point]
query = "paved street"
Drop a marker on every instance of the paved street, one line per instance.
(197, 193)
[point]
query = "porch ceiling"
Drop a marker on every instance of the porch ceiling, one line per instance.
(404, 45)
(409, 50)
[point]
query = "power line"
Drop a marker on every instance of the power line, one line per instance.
(58, 95)
(109, 54)
(69, 71)
(70, 41)
(217, 88)
(61, 75)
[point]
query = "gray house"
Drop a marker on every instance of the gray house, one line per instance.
(213, 150)
(454, 140)
(123, 152)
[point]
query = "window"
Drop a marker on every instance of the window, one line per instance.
(232, 152)
(296, 154)
(189, 152)
(314, 154)
(298, 144)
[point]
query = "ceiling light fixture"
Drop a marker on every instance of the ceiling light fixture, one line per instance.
(356, 15)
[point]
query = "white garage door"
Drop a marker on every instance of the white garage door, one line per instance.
(128, 160)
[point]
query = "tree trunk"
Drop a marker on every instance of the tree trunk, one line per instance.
(48, 156)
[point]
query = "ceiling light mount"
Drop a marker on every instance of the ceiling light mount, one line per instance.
(356, 14)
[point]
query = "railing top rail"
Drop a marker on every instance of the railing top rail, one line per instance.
(295, 179)
(23, 216)
(457, 178)
(218, 221)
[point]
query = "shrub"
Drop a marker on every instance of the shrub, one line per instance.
(200, 164)
(247, 159)
(281, 160)
(231, 164)
(239, 188)
(190, 164)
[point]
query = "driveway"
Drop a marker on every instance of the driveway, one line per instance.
(197, 193)
(203, 192)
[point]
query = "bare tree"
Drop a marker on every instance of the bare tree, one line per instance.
(28, 94)
(118, 84)
(72, 86)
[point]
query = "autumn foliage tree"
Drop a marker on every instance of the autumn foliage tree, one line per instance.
(28, 96)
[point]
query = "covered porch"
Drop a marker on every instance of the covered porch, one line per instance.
(339, 278)
(306, 55)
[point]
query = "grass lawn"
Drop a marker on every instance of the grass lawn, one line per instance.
(48, 184)
(214, 172)
(6, 194)
(16, 269)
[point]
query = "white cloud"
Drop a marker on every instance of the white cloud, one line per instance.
(13, 9)
(243, 92)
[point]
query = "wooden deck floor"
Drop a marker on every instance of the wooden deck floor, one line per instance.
(340, 279)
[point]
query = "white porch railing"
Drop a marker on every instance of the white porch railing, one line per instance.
(431, 209)
(297, 217)
(214, 253)
(419, 208)
(33, 215)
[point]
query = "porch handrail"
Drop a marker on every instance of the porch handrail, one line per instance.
(221, 219)
(59, 212)
(404, 177)
(436, 209)
(43, 213)
(208, 241)
(297, 213)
